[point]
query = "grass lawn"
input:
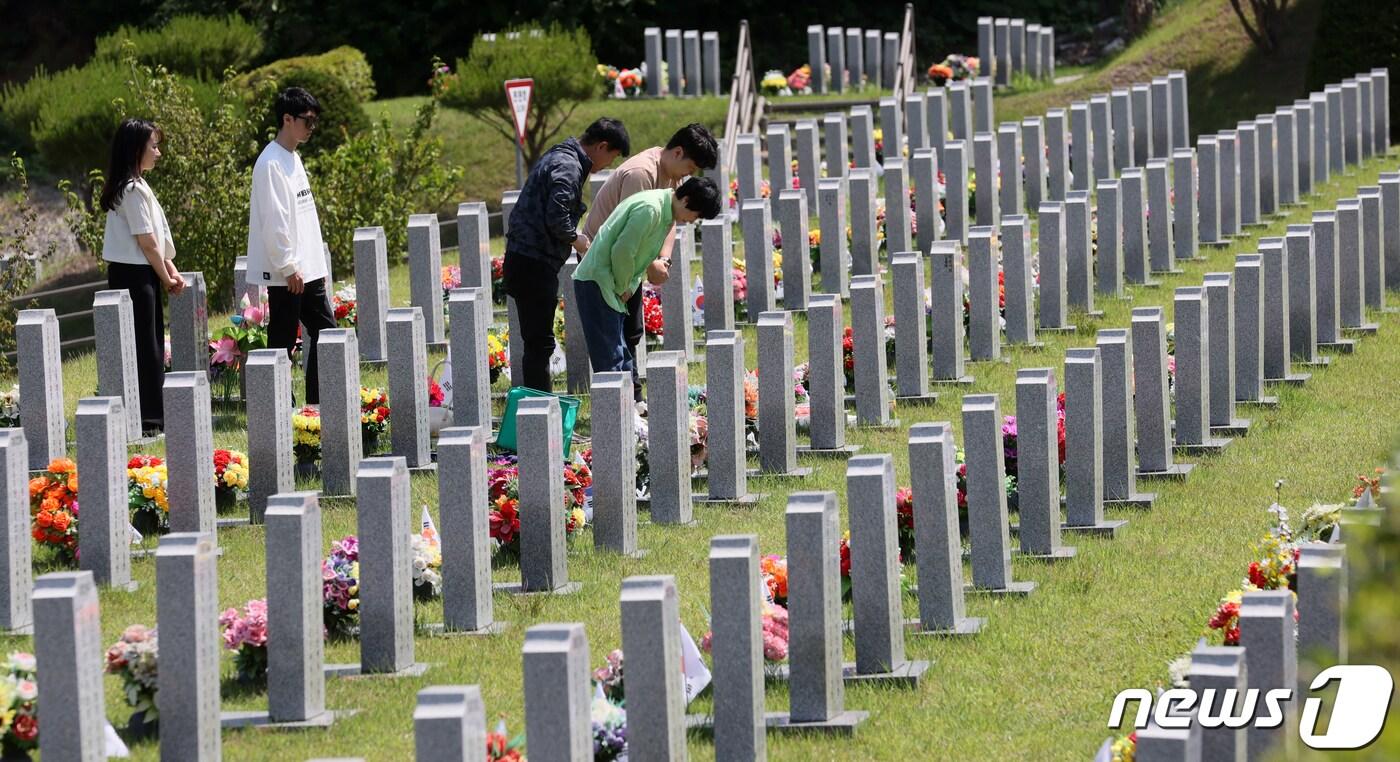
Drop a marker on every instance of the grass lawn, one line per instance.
(1037, 684)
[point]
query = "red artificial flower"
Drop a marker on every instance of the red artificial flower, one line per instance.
(25, 727)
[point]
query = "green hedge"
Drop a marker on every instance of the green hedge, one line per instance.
(341, 113)
(1353, 38)
(344, 63)
(196, 46)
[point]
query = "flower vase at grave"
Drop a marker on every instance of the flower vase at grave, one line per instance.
(139, 728)
(225, 499)
(370, 442)
(306, 470)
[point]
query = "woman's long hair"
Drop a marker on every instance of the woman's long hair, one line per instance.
(128, 147)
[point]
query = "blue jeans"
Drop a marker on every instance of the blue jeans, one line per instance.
(604, 329)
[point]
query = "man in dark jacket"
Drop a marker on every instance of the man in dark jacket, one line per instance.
(544, 228)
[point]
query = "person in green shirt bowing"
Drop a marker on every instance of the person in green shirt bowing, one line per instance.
(612, 269)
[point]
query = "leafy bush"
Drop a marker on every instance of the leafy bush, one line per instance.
(197, 46)
(345, 63)
(342, 116)
(77, 116)
(375, 179)
(17, 264)
(560, 61)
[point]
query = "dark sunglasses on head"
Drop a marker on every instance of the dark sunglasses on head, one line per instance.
(311, 120)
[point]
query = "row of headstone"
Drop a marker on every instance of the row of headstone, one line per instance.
(1007, 47)
(851, 57)
(692, 62)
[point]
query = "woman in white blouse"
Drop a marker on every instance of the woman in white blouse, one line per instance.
(139, 251)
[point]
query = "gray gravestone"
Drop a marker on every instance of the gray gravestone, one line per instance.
(709, 41)
(386, 552)
(1193, 373)
(727, 478)
(68, 634)
(737, 647)
(1268, 164)
(915, 114)
(1038, 464)
(1302, 296)
(1221, 669)
(855, 57)
(777, 426)
(923, 169)
(189, 325)
(946, 312)
(864, 245)
(1017, 266)
(1081, 148)
(1001, 34)
(1390, 218)
(983, 115)
(615, 464)
(1133, 192)
(897, 212)
(834, 257)
(269, 444)
(187, 695)
(1336, 135)
(1181, 122)
(836, 57)
(875, 570)
(675, 62)
(1119, 426)
(1054, 311)
(756, 221)
(871, 372)
(984, 328)
(1163, 124)
(1328, 301)
(1303, 129)
(1109, 221)
(40, 386)
(748, 162)
(1322, 121)
(16, 574)
(836, 143)
(1161, 249)
(816, 57)
(891, 128)
(815, 685)
(911, 339)
(408, 385)
(449, 723)
(1249, 328)
(652, 43)
(295, 648)
(862, 122)
(1350, 272)
(936, 99)
(1121, 104)
(1220, 316)
(986, 45)
(1012, 199)
(988, 527)
(241, 287)
(809, 160)
(933, 471)
(189, 451)
(676, 300)
(1018, 46)
(1101, 118)
(717, 251)
(960, 109)
(473, 245)
(1266, 625)
(543, 557)
(1373, 253)
(1367, 114)
(1184, 215)
(469, 309)
(1249, 174)
(984, 159)
(465, 522)
(1152, 404)
(557, 692)
(1322, 606)
(778, 141)
(1033, 53)
(668, 440)
(371, 293)
(690, 40)
(955, 202)
(1047, 52)
(1229, 142)
(104, 544)
(115, 342)
(826, 385)
(342, 446)
(1143, 147)
(425, 273)
(1084, 443)
(652, 641)
(1208, 188)
(1351, 122)
(1033, 150)
(1286, 145)
(1380, 80)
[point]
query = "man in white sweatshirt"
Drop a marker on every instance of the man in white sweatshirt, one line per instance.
(285, 250)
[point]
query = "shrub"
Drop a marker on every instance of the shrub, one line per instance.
(196, 46)
(342, 116)
(345, 63)
(17, 261)
(374, 179)
(561, 63)
(1353, 38)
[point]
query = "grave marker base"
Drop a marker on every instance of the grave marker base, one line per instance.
(143, 441)
(1107, 529)
(751, 498)
(1212, 446)
(1035, 346)
(1138, 500)
(568, 588)
(1053, 329)
(27, 629)
(964, 381)
(1226, 243)
(1267, 401)
(965, 626)
(1177, 472)
(801, 472)
(233, 521)
(1292, 379)
(1365, 329)
(890, 425)
(1237, 427)
(1345, 346)
(1015, 588)
(1062, 553)
(353, 671)
(839, 452)
(843, 724)
(1320, 362)
(920, 400)
(440, 630)
(904, 676)
(262, 721)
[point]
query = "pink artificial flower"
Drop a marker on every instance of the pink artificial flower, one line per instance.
(255, 314)
(225, 351)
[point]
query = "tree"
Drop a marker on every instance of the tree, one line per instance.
(561, 63)
(1268, 21)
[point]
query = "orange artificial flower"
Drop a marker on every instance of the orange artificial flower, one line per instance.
(37, 485)
(63, 466)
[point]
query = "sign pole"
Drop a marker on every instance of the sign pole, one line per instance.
(519, 166)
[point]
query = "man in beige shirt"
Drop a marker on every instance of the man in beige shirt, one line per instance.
(690, 150)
